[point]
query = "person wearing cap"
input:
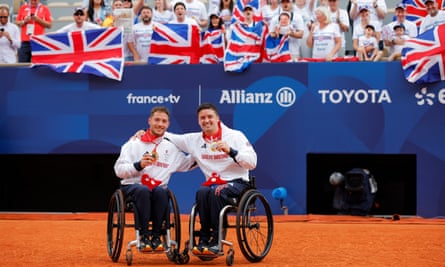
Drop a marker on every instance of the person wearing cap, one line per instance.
(9, 37)
(214, 37)
(367, 45)
(297, 27)
(79, 23)
(360, 30)
(400, 37)
(139, 39)
(389, 35)
(324, 36)
(435, 16)
(32, 18)
(248, 14)
(377, 10)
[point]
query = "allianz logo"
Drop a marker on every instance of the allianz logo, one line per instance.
(427, 98)
(284, 97)
(358, 96)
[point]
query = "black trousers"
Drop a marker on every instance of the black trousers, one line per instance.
(149, 206)
(209, 206)
(24, 52)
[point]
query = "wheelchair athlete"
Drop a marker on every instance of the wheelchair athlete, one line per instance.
(145, 166)
(225, 156)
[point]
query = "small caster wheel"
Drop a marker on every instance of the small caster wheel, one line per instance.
(230, 257)
(129, 257)
(182, 259)
(172, 254)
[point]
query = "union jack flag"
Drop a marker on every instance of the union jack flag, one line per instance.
(212, 46)
(423, 57)
(97, 52)
(239, 7)
(277, 49)
(416, 9)
(175, 44)
(245, 46)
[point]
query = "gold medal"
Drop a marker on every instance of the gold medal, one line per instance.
(213, 146)
(154, 155)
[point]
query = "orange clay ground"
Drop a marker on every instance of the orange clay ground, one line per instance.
(38, 239)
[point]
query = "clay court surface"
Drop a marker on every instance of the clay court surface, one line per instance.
(35, 239)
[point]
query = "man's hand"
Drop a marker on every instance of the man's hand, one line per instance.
(219, 188)
(137, 135)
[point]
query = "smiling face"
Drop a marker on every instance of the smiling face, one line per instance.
(208, 120)
(431, 8)
(159, 122)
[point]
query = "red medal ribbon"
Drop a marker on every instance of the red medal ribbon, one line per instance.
(215, 179)
(149, 181)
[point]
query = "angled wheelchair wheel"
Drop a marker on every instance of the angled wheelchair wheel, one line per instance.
(115, 225)
(254, 226)
(174, 220)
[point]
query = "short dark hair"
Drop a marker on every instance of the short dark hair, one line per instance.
(146, 7)
(369, 26)
(179, 4)
(160, 109)
(207, 106)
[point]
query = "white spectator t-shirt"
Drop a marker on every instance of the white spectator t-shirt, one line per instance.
(430, 22)
(162, 17)
(324, 40)
(141, 38)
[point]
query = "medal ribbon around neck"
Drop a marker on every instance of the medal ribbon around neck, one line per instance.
(212, 139)
(148, 137)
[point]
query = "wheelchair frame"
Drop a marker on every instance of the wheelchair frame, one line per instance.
(116, 223)
(248, 228)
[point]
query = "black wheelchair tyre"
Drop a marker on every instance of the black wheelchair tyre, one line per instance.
(174, 220)
(253, 216)
(115, 225)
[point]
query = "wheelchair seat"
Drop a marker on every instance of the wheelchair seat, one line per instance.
(254, 227)
(118, 208)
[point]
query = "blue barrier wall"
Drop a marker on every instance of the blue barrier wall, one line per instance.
(286, 110)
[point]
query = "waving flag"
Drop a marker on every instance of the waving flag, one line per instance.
(277, 49)
(212, 46)
(239, 7)
(175, 44)
(416, 9)
(97, 52)
(245, 46)
(423, 57)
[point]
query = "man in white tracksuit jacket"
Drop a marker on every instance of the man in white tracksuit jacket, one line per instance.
(225, 156)
(145, 166)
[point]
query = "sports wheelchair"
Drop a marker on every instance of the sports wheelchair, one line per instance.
(254, 228)
(119, 208)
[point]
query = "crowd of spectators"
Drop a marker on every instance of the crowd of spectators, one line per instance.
(316, 28)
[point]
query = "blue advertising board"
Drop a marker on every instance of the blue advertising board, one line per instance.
(286, 111)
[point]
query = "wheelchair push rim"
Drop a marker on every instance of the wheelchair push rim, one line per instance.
(254, 226)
